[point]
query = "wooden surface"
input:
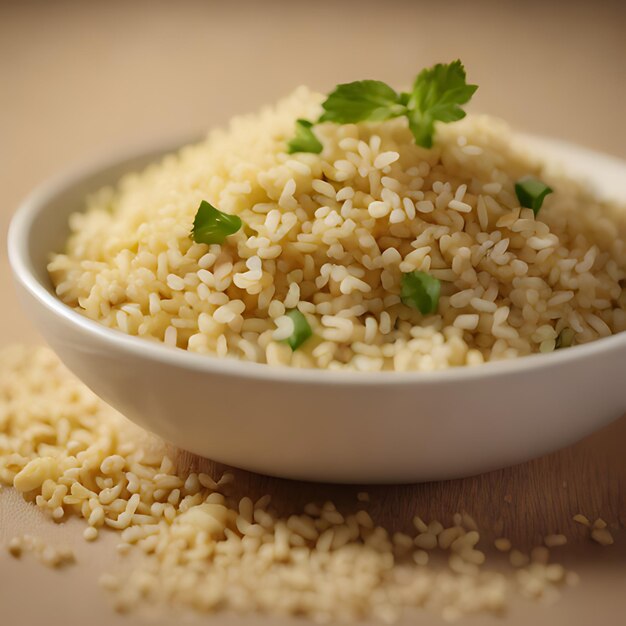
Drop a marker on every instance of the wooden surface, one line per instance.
(80, 79)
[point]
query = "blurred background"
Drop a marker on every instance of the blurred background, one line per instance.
(82, 77)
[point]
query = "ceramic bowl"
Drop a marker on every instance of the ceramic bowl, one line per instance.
(315, 424)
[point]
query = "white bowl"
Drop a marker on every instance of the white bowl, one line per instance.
(322, 425)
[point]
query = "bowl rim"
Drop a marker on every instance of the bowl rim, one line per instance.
(23, 272)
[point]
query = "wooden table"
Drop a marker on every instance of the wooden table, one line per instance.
(80, 79)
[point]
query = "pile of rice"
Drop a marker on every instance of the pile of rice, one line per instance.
(332, 234)
(203, 546)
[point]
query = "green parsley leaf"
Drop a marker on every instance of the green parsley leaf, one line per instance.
(420, 291)
(565, 339)
(301, 329)
(530, 192)
(212, 226)
(305, 140)
(437, 95)
(361, 100)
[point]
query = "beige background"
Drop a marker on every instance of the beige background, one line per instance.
(78, 79)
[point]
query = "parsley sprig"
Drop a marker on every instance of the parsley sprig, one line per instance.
(370, 100)
(437, 95)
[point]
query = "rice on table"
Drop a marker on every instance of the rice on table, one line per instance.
(332, 235)
(211, 544)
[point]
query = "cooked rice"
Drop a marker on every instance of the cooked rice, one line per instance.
(206, 549)
(331, 234)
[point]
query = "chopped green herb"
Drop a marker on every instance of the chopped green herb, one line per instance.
(565, 339)
(212, 226)
(420, 291)
(305, 140)
(301, 329)
(530, 192)
(437, 95)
